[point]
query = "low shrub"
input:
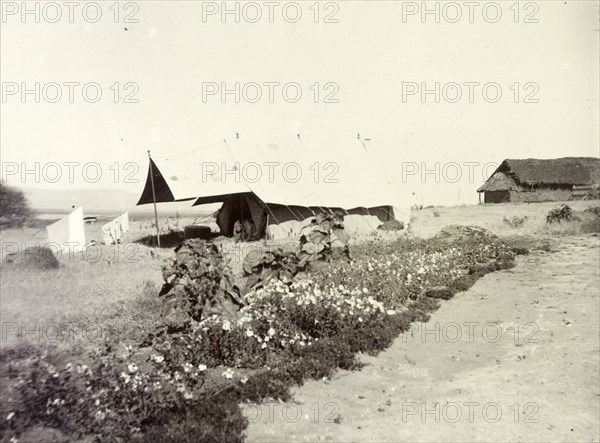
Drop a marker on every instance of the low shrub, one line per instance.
(515, 222)
(325, 239)
(563, 213)
(197, 285)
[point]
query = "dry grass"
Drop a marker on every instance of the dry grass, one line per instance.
(425, 224)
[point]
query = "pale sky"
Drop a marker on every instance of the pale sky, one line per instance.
(371, 50)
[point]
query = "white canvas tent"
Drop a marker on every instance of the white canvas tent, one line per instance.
(279, 183)
(68, 232)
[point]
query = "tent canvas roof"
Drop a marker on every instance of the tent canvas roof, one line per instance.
(289, 172)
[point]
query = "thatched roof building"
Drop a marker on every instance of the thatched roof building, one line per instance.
(534, 180)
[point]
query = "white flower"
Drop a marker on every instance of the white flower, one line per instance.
(10, 415)
(263, 346)
(188, 395)
(228, 373)
(226, 325)
(249, 333)
(244, 380)
(187, 367)
(157, 358)
(390, 312)
(132, 367)
(365, 290)
(271, 332)
(202, 367)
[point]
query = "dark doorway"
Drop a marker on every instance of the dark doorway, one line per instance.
(497, 197)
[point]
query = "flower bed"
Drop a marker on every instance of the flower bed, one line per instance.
(186, 385)
(402, 271)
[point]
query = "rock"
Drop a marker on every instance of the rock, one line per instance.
(34, 258)
(441, 292)
(391, 225)
(454, 233)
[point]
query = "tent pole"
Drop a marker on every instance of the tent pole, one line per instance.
(266, 227)
(154, 201)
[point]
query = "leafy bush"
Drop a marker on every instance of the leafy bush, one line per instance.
(326, 232)
(559, 214)
(14, 207)
(276, 263)
(324, 236)
(197, 285)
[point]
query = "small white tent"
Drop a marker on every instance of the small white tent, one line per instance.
(279, 184)
(68, 233)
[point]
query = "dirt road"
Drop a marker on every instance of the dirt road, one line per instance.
(515, 358)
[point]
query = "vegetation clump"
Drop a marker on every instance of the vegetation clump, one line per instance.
(594, 210)
(515, 222)
(198, 285)
(563, 213)
(323, 240)
(14, 207)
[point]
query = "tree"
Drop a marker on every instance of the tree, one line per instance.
(14, 207)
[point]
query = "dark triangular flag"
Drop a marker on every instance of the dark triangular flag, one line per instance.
(161, 189)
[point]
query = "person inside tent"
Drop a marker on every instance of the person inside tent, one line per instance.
(248, 232)
(237, 231)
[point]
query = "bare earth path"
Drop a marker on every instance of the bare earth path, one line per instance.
(515, 358)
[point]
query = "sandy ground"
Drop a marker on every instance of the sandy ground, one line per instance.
(516, 358)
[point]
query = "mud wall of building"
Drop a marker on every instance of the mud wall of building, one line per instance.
(541, 195)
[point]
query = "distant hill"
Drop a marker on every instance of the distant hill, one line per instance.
(101, 200)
